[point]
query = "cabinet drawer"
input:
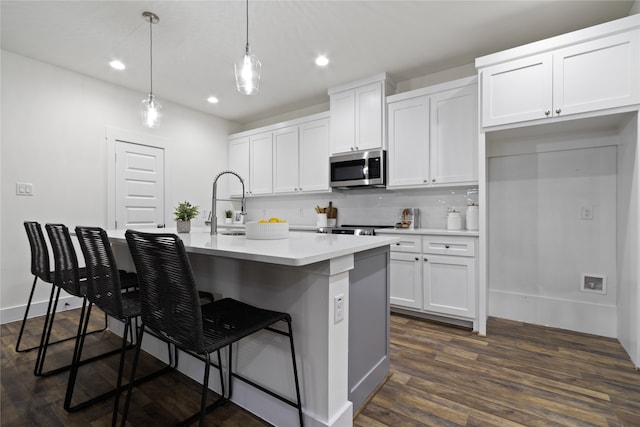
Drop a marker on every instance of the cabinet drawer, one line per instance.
(408, 244)
(441, 245)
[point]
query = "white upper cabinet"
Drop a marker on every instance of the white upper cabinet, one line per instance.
(301, 158)
(433, 136)
(314, 156)
(261, 163)
(239, 163)
(454, 135)
(588, 70)
(408, 154)
(517, 91)
(596, 75)
(358, 115)
(284, 158)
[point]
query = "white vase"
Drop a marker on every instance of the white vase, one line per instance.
(183, 226)
(228, 220)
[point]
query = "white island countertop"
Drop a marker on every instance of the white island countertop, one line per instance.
(300, 248)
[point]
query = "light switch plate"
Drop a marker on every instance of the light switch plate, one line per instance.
(338, 308)
(24, 189)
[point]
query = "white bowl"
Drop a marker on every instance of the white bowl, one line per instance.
(267, 230)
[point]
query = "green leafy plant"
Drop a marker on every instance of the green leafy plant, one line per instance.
(228, 214)
(185, 211)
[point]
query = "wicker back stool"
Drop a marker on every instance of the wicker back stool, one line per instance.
(170, 308)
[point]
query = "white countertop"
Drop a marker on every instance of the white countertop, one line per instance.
(300, 248)
(426, 232)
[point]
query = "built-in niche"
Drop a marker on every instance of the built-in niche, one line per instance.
(552, 217)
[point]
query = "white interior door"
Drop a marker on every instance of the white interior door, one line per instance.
(139, 185)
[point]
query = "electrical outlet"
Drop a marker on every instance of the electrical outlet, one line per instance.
(338, 308)
(586, 212)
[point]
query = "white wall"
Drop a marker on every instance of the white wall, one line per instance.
(538, 243)
(53, 136)
(628, 235)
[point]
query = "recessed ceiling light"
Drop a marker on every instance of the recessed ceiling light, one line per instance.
(117, 65)
(322, 61)
(212, 100)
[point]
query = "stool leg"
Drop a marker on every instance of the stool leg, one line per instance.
(46, 330)
(205, 389)
(26, 315)
(295, 373)
(123, 352)
(125, 410)
(77, 354)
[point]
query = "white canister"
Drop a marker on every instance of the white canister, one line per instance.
(472, 217)
(321, 220)
(454, 221)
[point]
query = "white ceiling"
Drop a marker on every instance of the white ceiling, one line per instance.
(196, 42)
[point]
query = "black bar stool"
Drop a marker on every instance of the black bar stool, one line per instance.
(170, 308)
(68, 277)
(105, 286)
(40, 268)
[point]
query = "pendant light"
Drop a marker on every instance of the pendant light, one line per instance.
(247, 68)
(150, 108)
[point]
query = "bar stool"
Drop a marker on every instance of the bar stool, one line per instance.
(40, 268)
(105, 290)
(68, 277)
(170, 308)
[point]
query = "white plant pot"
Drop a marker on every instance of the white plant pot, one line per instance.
(183, 226)
(228, 220)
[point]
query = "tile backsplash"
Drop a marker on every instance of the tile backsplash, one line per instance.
(366, 206)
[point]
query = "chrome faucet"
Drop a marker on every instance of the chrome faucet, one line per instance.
(214, 199)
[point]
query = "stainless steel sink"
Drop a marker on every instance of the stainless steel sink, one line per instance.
(232, 232)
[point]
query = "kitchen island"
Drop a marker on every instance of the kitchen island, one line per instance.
(343, 354)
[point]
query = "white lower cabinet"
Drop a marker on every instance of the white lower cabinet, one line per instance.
(435, 275)
(449, 285)
(406, 279)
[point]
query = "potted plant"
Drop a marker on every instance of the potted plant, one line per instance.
(228, 217)
(184, 213)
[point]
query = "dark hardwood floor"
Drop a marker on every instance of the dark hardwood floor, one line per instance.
(520, 375)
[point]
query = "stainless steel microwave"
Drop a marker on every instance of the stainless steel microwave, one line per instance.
(360, 169)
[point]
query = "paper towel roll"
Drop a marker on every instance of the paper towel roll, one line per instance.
(472, 217)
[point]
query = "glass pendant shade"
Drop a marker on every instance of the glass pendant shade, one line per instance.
(151, 111)
(247, 70)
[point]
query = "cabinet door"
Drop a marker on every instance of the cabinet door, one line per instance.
(314, 156)
(408, 142)
(369, 117)
(285, 160)
(261, 154)
(517, 91)
(596, 75)
(343, 121)
(449, 285)
(406, 280)
(239, 163)
(454, 136)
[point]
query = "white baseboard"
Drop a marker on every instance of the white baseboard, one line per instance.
(590, 318)
(11, 314)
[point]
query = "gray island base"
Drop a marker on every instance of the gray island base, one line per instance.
(342, 355)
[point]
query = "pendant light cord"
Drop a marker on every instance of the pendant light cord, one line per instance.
(247, 46)
(151, 54)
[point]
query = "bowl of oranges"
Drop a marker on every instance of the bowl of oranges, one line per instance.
(267, 229)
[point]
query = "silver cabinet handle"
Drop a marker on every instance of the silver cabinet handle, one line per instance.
(547, 112)
(417, 258)
(558, 110)
(426, 259)
(446, 246)
(433, 180)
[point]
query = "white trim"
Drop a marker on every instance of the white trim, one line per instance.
(12, 314)
(111, 136)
